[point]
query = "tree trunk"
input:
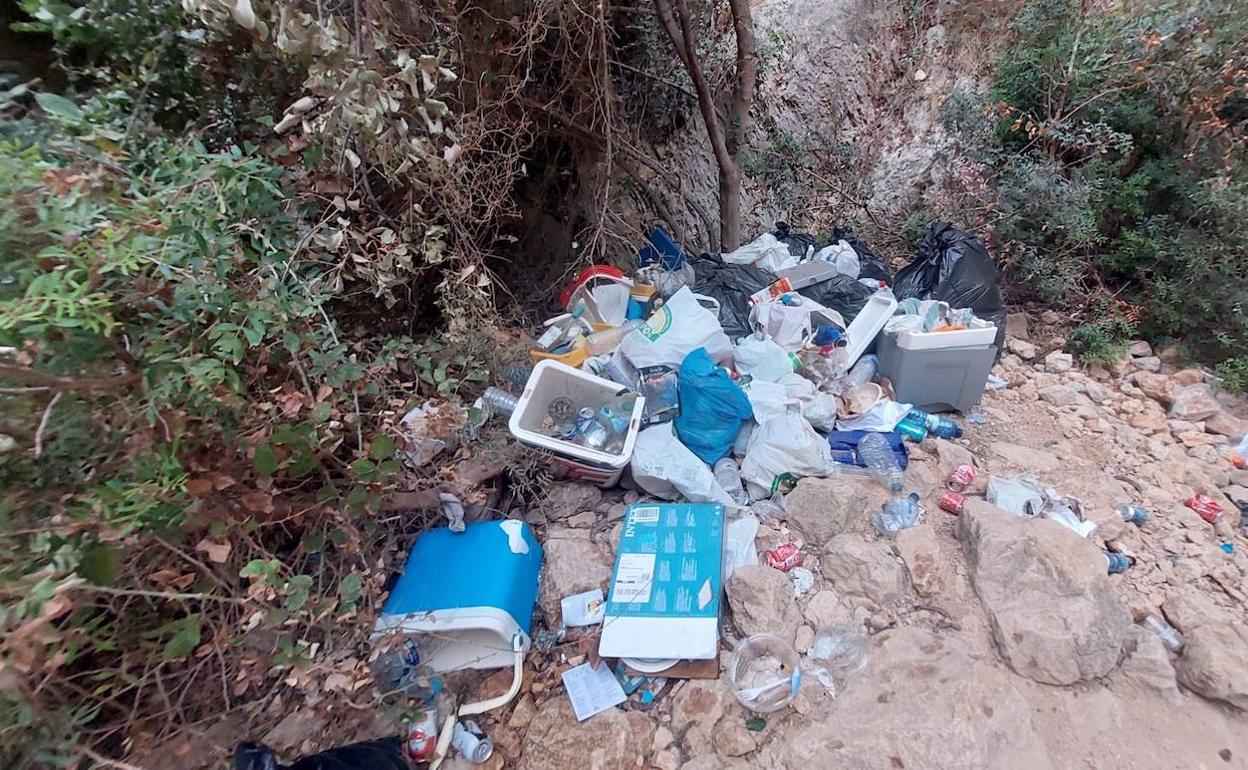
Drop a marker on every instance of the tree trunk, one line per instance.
(679, 27)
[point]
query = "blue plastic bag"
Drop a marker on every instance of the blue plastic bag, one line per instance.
(712, 407)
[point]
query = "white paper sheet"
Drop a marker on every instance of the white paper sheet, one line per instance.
(592, 690)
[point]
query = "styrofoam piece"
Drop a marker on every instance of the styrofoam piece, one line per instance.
(868, 323)
(980, 334)
(551, 380)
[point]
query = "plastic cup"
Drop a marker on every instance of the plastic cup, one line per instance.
(748, 685)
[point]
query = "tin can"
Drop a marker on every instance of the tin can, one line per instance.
(952, 502)
(784, 557)
(1204, 505)
(960, 478)
(422, 736)
(471, 743)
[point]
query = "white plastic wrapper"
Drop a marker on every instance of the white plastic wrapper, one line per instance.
(820, 411)
(765, 251)
(882, 417)
(762, 359)
(667, 469)
(782, 450)
(769, 399)
(843, 256)
(790, 325)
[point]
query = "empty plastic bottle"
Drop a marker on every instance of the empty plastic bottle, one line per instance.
(1117, 562)
(1132, 514)
(897, 514)
(1168, 633)
(878, 456)
(942, 427)
(912, 427)
(498, 402)
(863, 372)
(728, 474)
(609, 339)
(517, 374)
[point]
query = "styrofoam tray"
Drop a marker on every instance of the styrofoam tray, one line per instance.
(981, 333)
(862, 330)
(551, 380)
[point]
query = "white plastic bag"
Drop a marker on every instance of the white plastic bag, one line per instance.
(882, 417)
(820, 411)
(782, 450)
(762, 359)
(798, 387)
(843, 256)
(765, 251)
(739, 549)
(667, 469)
(679, 327)
(790, 325)
(769, 399)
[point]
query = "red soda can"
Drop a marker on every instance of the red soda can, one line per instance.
(784, 557)
(960, 478)
(952, 502)
(422, 736)
(1204, 505)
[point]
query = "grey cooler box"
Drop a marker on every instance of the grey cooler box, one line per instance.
(937, 380)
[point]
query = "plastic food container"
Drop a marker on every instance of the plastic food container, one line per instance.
(551, 380)
(765, 673)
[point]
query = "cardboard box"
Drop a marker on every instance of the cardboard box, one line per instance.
(667, 583)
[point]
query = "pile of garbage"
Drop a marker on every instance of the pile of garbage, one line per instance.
(715, 383)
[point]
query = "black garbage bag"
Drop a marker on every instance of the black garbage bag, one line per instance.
(871, 265)
(954, 266)
(800, 244)
(732, 286)
(840, 293)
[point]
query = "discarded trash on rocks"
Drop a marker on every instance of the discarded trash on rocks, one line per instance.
(764, 673)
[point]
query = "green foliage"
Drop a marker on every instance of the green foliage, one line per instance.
(1234, 374)
(1120, 165)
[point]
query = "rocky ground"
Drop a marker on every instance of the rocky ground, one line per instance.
(995, 641)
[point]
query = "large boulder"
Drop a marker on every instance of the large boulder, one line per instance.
(571, 564)
(762, 602)
(1215, 663)
(924, 702)
(1156, 386)
(611, 740)
(1053, 614)
(1194, 403)
(861, 567)
(822, 508)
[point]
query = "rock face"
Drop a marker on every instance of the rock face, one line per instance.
(612, 740)
(572, 564)
(861, 567)
(823, 508)
(1215, 663)
(1053, 614)
(919, 686)
(762, 601)
(1194, 403)
(568, 499)
(920, 550)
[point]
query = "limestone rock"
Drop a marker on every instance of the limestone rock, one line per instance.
(1189, 609)
(922, 684)
(920, 551)
(522, 715)
(1098, 392)
(1187, 377)
(1155, 386)
(1062, 395)
(1194, 403)
(610, 741)
(825, 609)
(1215, 663)
(762, 601)
(1058, 362)
(1026, 458)
(1053, 614)
(1017, 325)
(572, 564)
(569, 498)
(701, 703)
(1148, 363)
(821, 508)
(1021, 348)
(1226, 424)
(1147, 666)
(666, 760)
(732, 739)
(1148, 421)
(1140, 349)
(804, 638)
(862, 567)
(948, 454)
(662, 738)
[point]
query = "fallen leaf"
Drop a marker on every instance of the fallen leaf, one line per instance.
(258, 502)
(199, 486)
(163, 577)
(217, 552)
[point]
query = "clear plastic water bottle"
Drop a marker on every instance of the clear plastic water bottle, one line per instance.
(498, 402)
(1168, 633)
(728, 474)
(942, 427)
(878, 456)
(517, 374)
(897, 514)
(863, 372)
(1132, 514)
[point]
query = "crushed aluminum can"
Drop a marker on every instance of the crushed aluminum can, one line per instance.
(960, 478)
(471, 742)
(1204, 505)
(784, 557)
(952, 502)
